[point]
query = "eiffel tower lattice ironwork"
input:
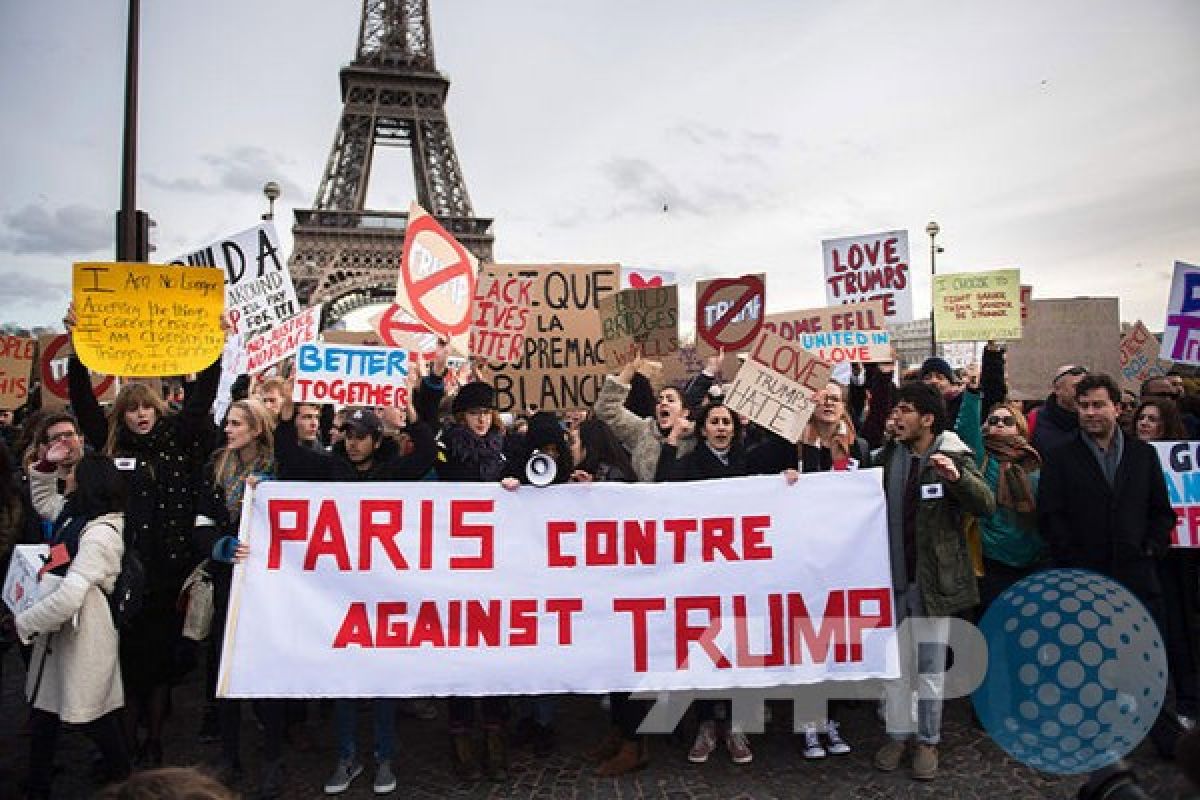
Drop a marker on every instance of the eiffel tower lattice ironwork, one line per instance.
(392, 95)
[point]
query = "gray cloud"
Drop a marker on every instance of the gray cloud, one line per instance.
(70, 230)
(241, 169)
(33, 290)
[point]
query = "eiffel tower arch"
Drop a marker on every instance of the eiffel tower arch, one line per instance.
(392, 95)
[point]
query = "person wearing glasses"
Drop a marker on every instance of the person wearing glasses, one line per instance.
(59, 448)
(1129, 404)
(1012, 548)
(829, 442)
(1057, 421)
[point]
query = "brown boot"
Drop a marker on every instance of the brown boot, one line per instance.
(462, 757)
(606, 748)
(497, 754)
(629, 758)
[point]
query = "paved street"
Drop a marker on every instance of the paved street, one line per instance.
(972, 767)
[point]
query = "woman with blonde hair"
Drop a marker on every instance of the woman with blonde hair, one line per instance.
(160, 456)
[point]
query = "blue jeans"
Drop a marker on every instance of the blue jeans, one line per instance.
(384, 711)
(926, 683)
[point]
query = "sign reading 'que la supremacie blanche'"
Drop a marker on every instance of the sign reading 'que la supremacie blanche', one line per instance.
(433, 589)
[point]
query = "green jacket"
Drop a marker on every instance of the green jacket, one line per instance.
(945, 576)
(1008, 537)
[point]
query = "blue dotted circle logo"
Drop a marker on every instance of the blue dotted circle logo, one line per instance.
(1076, 671)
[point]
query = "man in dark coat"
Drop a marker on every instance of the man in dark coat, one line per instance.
(1102, 499)
(1057, 421)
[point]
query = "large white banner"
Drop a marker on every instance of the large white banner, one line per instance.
(873, 266)
(428, 589)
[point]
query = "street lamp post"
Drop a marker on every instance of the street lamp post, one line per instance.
(131, 246)
(270, 191)
(933, 229)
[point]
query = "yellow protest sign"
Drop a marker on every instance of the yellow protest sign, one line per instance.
(148, 319)
(977, 306)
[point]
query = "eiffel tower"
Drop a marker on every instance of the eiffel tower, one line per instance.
(392, 95)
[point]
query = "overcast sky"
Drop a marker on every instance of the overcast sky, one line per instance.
(1058, 137)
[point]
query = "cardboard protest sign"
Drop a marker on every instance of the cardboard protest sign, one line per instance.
(679, 367)
(646, 278)
(397, 328)
(16, 368)
(148, 319)
(501, 316)
(351, 375)
(977, 306)
(54, 351)
(777, 385)
(437, 278)
(563, 364)
(642, 321)
(1080, 330)
(1181, 336)
(1139, 358)
(282, 341)
(869, 267)
(461, 587)
(1181, 468)
(837, 334)
(729, 313)
(258, 287)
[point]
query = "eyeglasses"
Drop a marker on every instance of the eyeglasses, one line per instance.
(1005, 421)
(60, 437)
(1069, 371)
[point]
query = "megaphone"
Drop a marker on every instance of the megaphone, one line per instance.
(541, 469)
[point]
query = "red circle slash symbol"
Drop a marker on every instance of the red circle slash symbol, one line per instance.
(59, 388)
(417, 289)
(712, 333)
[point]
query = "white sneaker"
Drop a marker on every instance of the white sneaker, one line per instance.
(343, 775)
(837, 745)
(812, 743)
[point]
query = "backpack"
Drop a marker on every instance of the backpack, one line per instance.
(129, 590)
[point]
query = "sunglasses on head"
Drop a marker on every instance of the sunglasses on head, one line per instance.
(1006, 421)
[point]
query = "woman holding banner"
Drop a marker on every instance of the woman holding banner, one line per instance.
(248, 457)
(719, 454)
(829, 442)
(161, 456)
(475, 452)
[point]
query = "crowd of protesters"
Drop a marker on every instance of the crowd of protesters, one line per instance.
(981, 491)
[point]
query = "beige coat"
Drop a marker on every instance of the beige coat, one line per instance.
(75, 643)
(640, 435)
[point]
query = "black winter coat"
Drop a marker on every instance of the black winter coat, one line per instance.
(168, 476)
(775, 454)
(1118, 532)
(701, 464)
(1055, 426)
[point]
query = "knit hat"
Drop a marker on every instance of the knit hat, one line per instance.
(363, 421)
(476, 394)
(544, 429)
(940, 366)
